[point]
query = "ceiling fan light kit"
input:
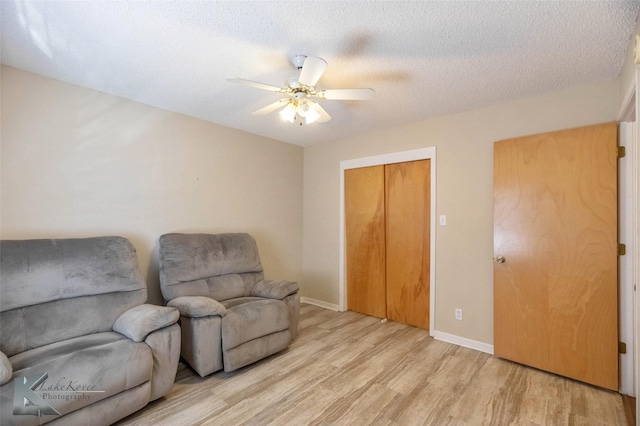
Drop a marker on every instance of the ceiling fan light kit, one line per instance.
(289, 113)
(300, 106)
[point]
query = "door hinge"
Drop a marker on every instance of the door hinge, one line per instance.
(622, 249)
(621, 151)
(622, 347)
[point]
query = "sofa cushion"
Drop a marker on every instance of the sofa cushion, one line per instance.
(108, 411)
(139, 321)
(230, 303)
(53, 290)
(197, 306)
(255, 349)
(273, 289)
(188, 262)
(231, 286)
(6, 370)
(252, 319)
(102, 364)
(27, 328)
(39, 271)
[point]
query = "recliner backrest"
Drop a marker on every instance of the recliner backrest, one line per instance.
(53, 290)
(220, 266)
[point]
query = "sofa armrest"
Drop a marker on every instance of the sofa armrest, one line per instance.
(139, 321)
(197, 306)
(272, 289)
(6, 370)
(165, 347)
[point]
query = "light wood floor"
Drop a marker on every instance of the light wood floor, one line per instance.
(350, 369)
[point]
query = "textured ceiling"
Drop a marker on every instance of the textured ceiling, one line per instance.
(423, 59)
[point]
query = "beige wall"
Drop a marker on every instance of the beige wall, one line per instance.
(464, 144)
(76, 162)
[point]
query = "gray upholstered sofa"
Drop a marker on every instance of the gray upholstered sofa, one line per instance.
(75, 334)
(229, 314)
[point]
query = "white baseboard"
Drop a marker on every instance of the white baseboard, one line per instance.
(320, 303)
(439, 335)
(463, 341)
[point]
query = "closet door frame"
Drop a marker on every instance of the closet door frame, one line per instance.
(428, 153)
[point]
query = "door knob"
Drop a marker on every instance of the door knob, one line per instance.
(500, 259)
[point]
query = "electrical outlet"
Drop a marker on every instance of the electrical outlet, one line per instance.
(459, 314)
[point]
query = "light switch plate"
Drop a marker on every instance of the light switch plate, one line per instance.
(443, 219)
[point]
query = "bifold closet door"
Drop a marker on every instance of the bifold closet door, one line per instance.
(387, 223)
(407, 199)
(365, 240)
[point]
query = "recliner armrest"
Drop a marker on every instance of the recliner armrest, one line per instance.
(141, 320)
(272, 289)
(6, 369)
(197, 306)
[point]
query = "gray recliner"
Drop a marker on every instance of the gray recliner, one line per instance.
(78, 344)
(230, 315)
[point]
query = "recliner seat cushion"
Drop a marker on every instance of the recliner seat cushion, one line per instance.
(230, 303)
(252, 319)
(106, 362)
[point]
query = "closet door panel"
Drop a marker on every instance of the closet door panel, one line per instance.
(407, 199)
(365, 240)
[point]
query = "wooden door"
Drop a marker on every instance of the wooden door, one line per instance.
(407, 199)
(365, 240)
(555, 224)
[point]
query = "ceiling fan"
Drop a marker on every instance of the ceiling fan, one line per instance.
(300, 103)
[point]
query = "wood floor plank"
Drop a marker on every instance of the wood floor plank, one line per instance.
(428, 405)
(351, 369)
(360, 406)
(488, 400)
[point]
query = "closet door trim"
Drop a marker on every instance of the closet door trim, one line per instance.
(428, 153)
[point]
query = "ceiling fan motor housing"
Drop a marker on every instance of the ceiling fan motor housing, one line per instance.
(298, 61)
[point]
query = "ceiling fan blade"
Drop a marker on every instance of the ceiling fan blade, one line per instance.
(271, 107)
(324, 115)
(312, 70)
(255, 84)
(347, 94)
